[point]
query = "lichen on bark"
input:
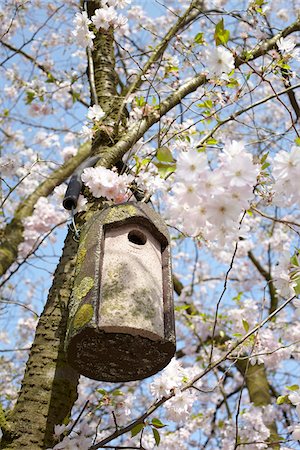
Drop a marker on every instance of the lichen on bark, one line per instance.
(83, 288)
(83, 316)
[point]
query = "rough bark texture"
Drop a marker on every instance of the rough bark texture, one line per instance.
(105, 80)
(49, 386)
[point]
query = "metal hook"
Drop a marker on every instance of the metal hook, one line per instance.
(73, 228)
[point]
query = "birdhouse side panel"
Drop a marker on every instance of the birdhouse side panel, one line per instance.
(83, 306)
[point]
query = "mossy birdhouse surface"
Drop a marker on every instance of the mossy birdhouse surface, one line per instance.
(121, 324)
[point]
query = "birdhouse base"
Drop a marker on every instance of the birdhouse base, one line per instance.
(117, 357)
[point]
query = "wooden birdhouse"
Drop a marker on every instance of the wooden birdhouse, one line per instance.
(121, 325)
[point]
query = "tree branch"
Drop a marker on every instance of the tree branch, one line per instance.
(41, 67)
(12, 234)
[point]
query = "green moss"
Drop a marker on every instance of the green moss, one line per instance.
(112, 287)
(143, 304)
(5, 252)
(2, 418)
(81, 256)
(120, 213)
(83, 316)
(84, 287)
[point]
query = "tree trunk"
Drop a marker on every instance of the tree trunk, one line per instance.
(49, 387)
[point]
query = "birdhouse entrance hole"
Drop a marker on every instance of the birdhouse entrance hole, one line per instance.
(137, 237)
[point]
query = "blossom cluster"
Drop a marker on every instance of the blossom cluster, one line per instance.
(209, 202)
(253, 429)
(286, 172)
(104, 18)
(44, 217)
(287, 47)
(79, 440)
(284, 277)
(107, 183)
(179, 407)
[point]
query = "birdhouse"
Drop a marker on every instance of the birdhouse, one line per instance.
(121, 325)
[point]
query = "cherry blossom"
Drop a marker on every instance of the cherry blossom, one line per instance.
(106, 183)
(104, 17)
(218, 60)
(170, 378)
(81, 32)
(95, 113)
(287, 47)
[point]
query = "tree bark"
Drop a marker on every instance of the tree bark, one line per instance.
(49, 387)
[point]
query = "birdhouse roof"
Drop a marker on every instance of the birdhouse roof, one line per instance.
(136, 213)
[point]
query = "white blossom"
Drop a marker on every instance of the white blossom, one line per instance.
(218, 60)
(287, 47)
(180, 406)
(106, 183)
(296, 432)
(95, 112)
(83, 35)
(170, 378)
(104, 17)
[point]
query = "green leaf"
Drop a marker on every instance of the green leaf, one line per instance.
(297, 287)
(282, 399)
(102, 391)
(50, 78)
(164, 154)
(30, 95)
(294, 261)
(297, 141)
(172, 69)
(211, 141)
(247, 56)
(165, 169)
(238, 297)
(265, 166)
(264, 157)
(238, 335)
(283, 65)
(245, 325)
(156, 436)
(140, 101)
(293, 387)
(117, 392)
(137, 429)
(206, 104)
(199, 38)
(182, 307)
(75, 96)
(157, 423)
(145, 161)
(221, 35)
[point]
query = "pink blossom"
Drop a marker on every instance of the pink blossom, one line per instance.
(106, 183)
